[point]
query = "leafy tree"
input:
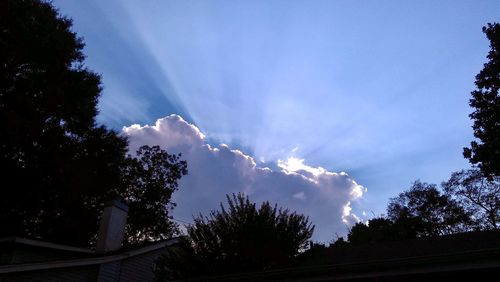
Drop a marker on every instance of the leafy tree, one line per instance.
(54, 158)
(486, 103)
(359, 233)
(479, 195)
(376, 230)
(57, 165)
(151, 178)
(178, 262)
(339, 242)
(426, 211)
(244, 237)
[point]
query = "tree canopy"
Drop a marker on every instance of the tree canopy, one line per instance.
(478, 195)
(485, 152)
(244, 237)
(376, 230)
(150, 179)
(423, 209)
(54, 158)
(57, 165)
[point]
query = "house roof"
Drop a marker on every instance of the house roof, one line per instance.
(466, 256)
(83, 257)
(42, 244)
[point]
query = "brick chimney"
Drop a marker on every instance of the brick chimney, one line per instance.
(112, 227)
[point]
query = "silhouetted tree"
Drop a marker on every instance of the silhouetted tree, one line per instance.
(340, 242)
(242, 237)
(151, 178)
(376, 230)
(423, 209)
(57, 165)
(359, 233)
(478, 195)
(486, 116)
(54, 159)
(178, 262)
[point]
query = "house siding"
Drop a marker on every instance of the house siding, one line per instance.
(109, 272)
(140, 268)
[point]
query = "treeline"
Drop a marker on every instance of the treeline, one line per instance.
(242, 237)
(468, 201)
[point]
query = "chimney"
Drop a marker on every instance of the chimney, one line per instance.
(112, 228)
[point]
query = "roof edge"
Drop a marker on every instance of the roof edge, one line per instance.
(13, 268)
(44, 244)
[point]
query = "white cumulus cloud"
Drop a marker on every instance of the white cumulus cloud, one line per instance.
(214, 171)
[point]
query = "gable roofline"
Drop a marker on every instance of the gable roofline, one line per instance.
(12, 268)
(42, 244)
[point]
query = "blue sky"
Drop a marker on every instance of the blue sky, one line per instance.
(376, 89)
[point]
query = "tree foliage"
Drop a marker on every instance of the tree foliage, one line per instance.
(376, 230)
(179, 261)
(486, 115)
(244, 237)
(479, 195)
(423, 209)
(54, 158)
(471, 202)
(57, 165)
(150, 179)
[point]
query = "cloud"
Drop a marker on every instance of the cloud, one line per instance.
(214, 171)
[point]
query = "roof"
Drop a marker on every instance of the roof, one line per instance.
(477, 265)
(466, 256)
(42, 244)
(77, 256)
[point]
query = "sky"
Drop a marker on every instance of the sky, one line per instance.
(329, 108)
